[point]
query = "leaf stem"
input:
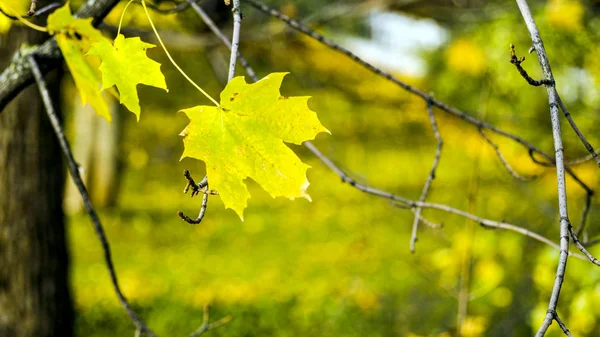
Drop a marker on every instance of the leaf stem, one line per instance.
(171, 58)
(122, 16)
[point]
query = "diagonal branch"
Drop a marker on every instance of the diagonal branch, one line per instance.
(585, 142)
(487, 223)
(64, 144)
(584, 215)
(505, 163)
(300, 27)
(206, 325)
(562, 325)
(581, 247)
(430, 177)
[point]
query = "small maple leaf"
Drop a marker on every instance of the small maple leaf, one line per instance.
(126, 65)
(244, 137)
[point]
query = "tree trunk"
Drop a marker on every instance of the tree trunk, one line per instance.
(34, 291)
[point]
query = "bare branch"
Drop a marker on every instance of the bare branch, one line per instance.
(430, 177)
(580, 160)
(414, 204)
(73, 169)
(584, 141)
(424, 220)
(553, 101)
(178, 8)
(517, 62)
(235, 39)
(196, 189)
(206, 325)
(593, 242)
(300, 27)
(584, 215)
(213, 27)
(582, 248)
(32, 8)
(562, 325)
(506, 165)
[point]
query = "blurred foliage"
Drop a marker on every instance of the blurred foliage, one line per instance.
(340, 266)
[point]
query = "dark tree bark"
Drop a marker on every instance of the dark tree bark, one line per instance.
(34, 293)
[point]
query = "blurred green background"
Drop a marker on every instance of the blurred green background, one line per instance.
(341, 265)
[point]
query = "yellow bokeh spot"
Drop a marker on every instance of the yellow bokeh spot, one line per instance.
(138, 158)
(567, 15)
(4, 24)
(365, 299)
(467, 57)
(501, 297)
(473, 326)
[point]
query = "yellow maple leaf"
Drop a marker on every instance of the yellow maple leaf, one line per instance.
(244, 137)
(125, 65)
(74, 38)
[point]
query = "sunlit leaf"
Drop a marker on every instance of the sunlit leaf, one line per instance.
(244, 137)
(74, 37)
(85, 77)
(125, 65)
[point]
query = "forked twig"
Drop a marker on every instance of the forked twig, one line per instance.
(206, 325)
(430, 177)
(202, 186)
(517, 62)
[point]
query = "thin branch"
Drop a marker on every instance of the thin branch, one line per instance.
(72, 165)
(414, 204)
(430, 177)
(235, 39)
(582, 248)
(178, 8)
(505, 163)
(584, 141)
(592, 242)
(206, 325)
(553, 101)
(424, 220)
(300, 27)
(517, 62)
(213, 27)
(35, 12)
(562, 325)
(32, 8)
(196, 189)
(580, 160)
(584, 215)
